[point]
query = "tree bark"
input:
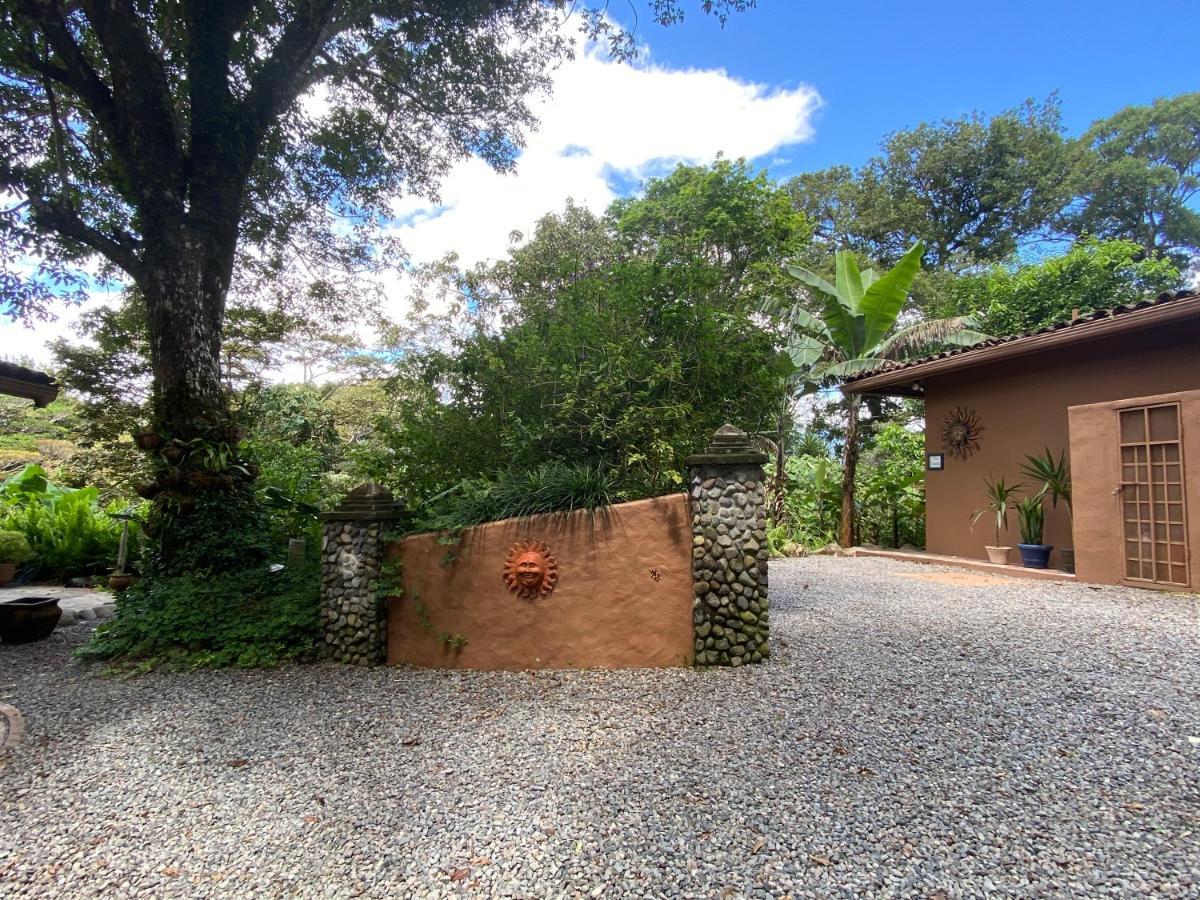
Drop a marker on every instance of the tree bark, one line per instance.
(849, 465)
(185, 301)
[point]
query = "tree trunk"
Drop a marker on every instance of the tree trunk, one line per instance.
(202, 487)
(778, 509)
(185, 303)
(849, 465)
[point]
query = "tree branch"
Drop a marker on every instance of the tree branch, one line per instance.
(278, 82)
(142, 101)
(121, 250)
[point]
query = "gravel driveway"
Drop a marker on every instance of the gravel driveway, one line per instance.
(908, 737)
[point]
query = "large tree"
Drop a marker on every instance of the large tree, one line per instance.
(1137, 178)
(169, 138)
(622, 339)
(969, 189)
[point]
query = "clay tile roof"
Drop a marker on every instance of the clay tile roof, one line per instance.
(967, 354)
(19, 381)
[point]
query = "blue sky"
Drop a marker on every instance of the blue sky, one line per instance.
(793, 86)
(881, 67)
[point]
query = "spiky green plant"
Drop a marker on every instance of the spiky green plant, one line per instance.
(1054, 474)
(1000, 496)
(1031, 517)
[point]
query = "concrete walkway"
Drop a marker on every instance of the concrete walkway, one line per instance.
(77, 604)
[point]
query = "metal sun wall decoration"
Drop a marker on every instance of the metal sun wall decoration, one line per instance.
(960, 432)
(530, 570)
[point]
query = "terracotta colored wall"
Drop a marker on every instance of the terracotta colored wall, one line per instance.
(1099, 554)
(1022, 405)
(608, 610)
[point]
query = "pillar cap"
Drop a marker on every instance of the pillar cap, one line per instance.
(369, 502)
(729, 446)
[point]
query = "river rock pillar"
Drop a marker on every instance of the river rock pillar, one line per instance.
(353, 609)
(729, 551)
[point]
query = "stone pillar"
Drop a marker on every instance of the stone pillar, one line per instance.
(353, 540)
(729, 551)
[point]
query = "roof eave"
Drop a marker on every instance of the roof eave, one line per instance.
(903, 381)
(41, 394)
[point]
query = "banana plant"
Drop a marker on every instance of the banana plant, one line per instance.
(855, 331)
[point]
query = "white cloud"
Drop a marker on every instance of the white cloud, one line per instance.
(604, 122)
(605, 127)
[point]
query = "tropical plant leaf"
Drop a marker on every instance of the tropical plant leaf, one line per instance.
(812, 279)
(801, 319)
(849, 281)
(881, 303)
(805, 350)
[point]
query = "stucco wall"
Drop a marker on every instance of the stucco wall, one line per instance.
(1022, 405)
(623, 599)
(1099, 554)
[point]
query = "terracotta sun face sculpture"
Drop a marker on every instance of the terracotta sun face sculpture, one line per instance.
(530, 570)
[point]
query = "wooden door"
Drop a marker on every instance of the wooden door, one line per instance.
(1154, 508)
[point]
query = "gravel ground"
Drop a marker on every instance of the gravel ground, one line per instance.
(908, 738)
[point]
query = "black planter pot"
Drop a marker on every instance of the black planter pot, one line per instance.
(28, 619)
(1035, 556)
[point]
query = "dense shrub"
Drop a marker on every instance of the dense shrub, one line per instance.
(67, 529)
(889, 492)
(891, 488)
(243, 617)
(13, 547)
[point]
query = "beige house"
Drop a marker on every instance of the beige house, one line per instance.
(1118, 390)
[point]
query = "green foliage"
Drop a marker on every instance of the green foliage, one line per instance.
(628, 340)
(1000, 496)
(889, 493)
(67, 530)
(292, 439)
(1054, 474)
(220, 531)
(13, 547)
(967, 189)
(552, 487)
(241, 617)
(811, 503)
(1031, 516)
(1137, 177)
(1013, 299)
(890, 487)
(854, 330)
(809, 443)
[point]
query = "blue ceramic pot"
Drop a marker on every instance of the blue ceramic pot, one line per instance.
(1035, 556)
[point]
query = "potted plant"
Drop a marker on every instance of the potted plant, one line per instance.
(14, 550)
(1031, 513)
(1000, 500)
(120, 580)
(1055, 476)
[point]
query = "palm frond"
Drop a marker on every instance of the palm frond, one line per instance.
(922, 337)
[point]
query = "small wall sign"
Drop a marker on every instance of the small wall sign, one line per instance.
(935, 462)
